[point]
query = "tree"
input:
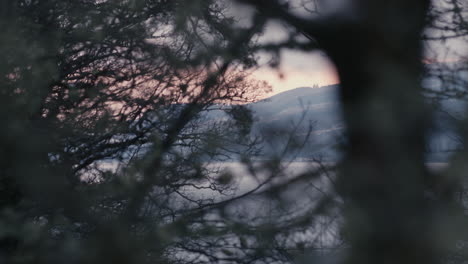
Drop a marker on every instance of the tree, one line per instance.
(378, 52)
(101, 109)
(107, 132)
(115, 113)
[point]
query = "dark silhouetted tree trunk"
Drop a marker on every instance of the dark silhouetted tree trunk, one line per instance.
(377, 49)
(383, 175)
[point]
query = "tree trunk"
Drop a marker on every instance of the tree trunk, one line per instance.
(379, 61)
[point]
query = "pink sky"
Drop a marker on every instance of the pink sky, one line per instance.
(299, 69)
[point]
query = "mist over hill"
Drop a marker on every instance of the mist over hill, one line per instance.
(304, 111)
(320, 105)
(318, 109)
(315, 113)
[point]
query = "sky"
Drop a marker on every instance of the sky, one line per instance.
(300, 69)
(297, 68)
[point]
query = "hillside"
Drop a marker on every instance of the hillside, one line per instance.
(320, 107)
(302, 107)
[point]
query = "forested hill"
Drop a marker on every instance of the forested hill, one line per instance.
(305, 104)
(319, 109)
(301, 111)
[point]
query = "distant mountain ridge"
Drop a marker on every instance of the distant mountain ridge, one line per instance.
(320, 105)
(321, 108)
(300, 109)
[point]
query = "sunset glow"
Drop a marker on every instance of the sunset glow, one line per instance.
(286, 80)
(298, 69)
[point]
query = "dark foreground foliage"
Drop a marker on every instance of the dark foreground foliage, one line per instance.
(110, 151)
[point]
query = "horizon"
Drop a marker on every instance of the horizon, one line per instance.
(273, 93)
(297, 69)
